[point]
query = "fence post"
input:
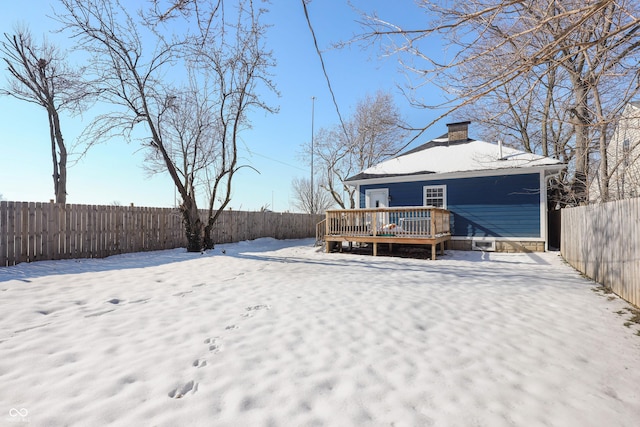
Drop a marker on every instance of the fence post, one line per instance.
(4, 234)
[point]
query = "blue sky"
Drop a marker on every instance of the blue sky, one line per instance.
(113, 172)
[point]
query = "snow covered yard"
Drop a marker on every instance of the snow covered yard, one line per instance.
(274, 333)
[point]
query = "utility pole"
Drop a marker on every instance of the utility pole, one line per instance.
(313, 191)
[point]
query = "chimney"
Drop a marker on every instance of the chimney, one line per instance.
(458, 131)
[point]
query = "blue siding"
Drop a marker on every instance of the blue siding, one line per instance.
(496, 206)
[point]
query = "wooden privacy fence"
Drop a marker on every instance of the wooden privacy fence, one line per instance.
(49, 231)
(603, 242)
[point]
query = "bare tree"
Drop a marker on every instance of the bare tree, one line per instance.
(587, 44)
(528, 113)
(310, 201)
(190, 130)
(40, 75)
(374, 133)
(531, 113)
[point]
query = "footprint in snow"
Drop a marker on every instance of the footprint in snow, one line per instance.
(250, 310)
(214, 344)
(199, 363)
(179, 392)
(259, 307)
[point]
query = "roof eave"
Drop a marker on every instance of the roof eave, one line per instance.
(453, 175)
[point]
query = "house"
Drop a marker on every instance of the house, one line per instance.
(623, 158)
(496, 195)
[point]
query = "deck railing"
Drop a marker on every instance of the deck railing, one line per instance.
(320, 231)
(413, 221)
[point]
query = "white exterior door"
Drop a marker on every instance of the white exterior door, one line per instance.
(377, 198)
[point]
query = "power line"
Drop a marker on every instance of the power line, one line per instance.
(324, 69)
(313, 192)
(253, 153)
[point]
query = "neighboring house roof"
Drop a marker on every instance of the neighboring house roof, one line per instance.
(440, 156)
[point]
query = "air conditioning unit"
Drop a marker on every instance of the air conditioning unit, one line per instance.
(483, 244)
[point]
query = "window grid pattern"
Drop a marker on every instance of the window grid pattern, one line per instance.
(434, 196)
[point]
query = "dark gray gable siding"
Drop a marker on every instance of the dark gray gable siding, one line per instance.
(497, 206)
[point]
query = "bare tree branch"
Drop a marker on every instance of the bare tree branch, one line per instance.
(40, 75)
(374, 133)
(190, 128)
(576, 48)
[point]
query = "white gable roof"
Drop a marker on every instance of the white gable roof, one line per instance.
(440, 157)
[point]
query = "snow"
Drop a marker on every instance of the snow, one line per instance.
(278, 333)
(471, 156)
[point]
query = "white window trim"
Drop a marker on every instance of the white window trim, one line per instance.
(431, 187)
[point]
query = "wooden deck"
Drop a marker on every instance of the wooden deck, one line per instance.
(401, 225)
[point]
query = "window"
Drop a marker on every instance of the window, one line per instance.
(435, 195)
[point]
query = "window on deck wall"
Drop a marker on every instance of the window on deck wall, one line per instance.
(435, 195)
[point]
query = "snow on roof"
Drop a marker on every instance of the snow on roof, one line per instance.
(441, 157)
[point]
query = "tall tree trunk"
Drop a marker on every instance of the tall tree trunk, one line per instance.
(61, 190)
(546, 114)
(59, 157)
(602, 146)
(54, 159)
(581, 120)
(207, 240)
(192, 224)
(604, 167)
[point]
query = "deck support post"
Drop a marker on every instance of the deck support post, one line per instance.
(375, 248)
(433, 251)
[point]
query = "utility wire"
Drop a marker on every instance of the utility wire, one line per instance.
(324, 69)
(253, 153)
